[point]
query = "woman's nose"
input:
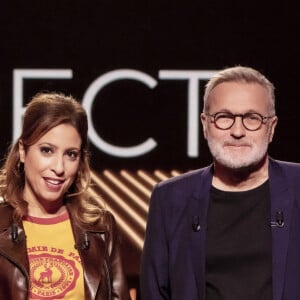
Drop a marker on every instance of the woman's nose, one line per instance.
(58, 165)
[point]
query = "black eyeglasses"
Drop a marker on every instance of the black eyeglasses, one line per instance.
(251, 121)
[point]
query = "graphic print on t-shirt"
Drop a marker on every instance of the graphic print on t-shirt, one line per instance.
(52, 276)
(55, 266)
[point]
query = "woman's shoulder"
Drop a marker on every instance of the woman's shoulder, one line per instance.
(6, 213)
(5, 207)
(106, 218)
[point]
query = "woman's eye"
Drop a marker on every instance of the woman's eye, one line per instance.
(46, 150)
(73, 154)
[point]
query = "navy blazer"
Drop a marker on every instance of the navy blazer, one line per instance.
(173, 259)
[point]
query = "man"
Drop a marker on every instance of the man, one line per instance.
(231, 230)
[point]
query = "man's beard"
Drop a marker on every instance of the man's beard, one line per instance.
(237, 161)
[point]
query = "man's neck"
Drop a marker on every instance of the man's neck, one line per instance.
(240, 179)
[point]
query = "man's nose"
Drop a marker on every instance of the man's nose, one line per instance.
(238, 129)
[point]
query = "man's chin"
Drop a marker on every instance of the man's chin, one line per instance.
(241, 166)
(236, 166)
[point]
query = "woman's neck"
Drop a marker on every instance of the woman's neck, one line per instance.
(46, 212)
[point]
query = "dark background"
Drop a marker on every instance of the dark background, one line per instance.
(95, 37)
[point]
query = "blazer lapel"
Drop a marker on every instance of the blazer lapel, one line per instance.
(198, 214)
(281, 201)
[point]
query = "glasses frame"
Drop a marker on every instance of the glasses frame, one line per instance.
(242, 116)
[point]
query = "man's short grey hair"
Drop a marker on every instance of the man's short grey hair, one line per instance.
(239, 74)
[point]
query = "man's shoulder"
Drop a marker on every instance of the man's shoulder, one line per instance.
(189, 177)
(285, 169)
(287, 165)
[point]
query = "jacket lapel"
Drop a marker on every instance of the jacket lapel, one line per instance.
(91, 246)
(198, 213)
(15, 251)
(92, 261)
(281, 201)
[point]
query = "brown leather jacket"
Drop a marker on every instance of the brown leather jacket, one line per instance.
(98, 247)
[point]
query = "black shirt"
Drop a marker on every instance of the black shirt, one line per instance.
(239, 245)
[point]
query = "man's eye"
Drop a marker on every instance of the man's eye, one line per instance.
(253, 117)
(224, 116)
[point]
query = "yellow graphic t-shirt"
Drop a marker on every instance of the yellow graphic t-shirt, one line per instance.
(55, 266)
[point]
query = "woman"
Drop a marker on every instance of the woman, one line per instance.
(55, 241)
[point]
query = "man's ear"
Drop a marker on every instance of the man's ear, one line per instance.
(204, 124)
(21, 151)
(273, 126)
